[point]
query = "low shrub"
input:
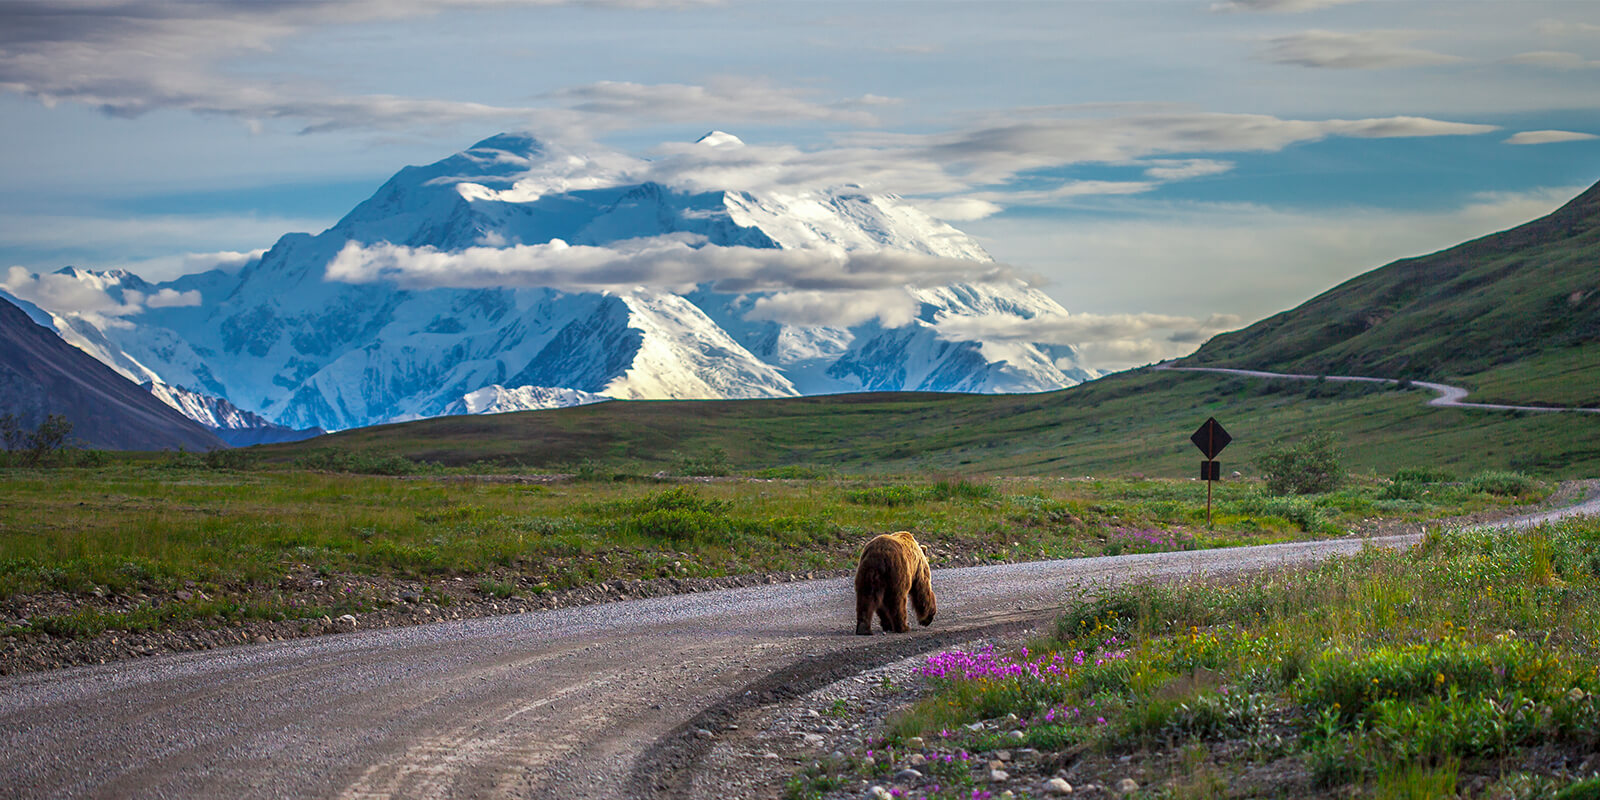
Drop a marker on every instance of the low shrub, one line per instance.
(678, 498)
(890, 496)
(963, 490)
(712, 463)
(678, 514)
(1422, 475)
(1205, 715)
(1309, 466)
(361, 462)
(1300, 511)
(1503, 483)
(226, 458)
(903, 495)
(1587, 789)
(677, 525)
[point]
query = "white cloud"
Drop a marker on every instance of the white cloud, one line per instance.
(1549, 137)
(1066, 191)
(998, 152)
(162, 268)
(1183, 169)
(1554, 59)
(1119, 354)
(1366, 50)
(675, 262)
(1106, 341)
(68, 294)
(1250, 260)
(724, 100)
(101, 299)
(1286, 6)
(892, 307)
(171, 298)
(225, 260)
(1076, 329)
(130, 57)
(1556, 27)
(958, 209)
(963, 174)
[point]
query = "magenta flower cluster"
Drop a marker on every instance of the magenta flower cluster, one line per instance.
(1065, 713)
(988, 664)
(1146, 537)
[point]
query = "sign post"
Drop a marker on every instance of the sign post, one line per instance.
(1210, 438)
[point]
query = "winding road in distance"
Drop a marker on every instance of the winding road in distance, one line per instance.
(592, 702)
(1448, 396)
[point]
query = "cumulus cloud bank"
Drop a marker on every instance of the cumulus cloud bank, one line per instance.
(1554, 59)
(1549, 137)
(676, 262)
(1365, 50)
(1109, 341)
(1285, 6)
(723, 99)
(968, 173)
(1072, 329)
(89, 295)
(892, 307)
(130, 57)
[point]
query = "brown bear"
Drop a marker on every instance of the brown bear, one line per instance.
(893, 566)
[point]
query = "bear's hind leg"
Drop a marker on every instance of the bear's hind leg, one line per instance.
(884, 620)
(867, 604)
(894, 616)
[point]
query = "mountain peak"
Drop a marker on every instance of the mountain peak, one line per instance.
(285, 342)
(520, 144)
(720, 139)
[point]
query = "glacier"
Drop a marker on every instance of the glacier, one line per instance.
(281, 340)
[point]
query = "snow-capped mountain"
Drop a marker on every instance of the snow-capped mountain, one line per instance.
(497, 399)
(232, 424)
(284, 340)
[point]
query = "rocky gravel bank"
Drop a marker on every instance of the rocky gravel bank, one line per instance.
(828, 744)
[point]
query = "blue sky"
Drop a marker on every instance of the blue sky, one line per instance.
(1138, 157)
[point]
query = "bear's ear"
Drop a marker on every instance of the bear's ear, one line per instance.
(926, 553)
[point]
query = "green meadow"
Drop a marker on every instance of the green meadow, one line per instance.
(1129, 424)
(175, 541)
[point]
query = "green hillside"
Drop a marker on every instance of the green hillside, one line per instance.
(1525, 300)
(1134, 423)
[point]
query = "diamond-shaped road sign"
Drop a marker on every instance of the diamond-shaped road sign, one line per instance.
(1211, 438)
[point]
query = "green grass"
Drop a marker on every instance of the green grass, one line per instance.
(157, 528)
(1563, 377)
(1130, 424)
(1387, 674)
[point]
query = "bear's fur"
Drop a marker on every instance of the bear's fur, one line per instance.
(893, 567)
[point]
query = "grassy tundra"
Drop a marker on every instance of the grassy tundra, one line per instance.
(177, 544)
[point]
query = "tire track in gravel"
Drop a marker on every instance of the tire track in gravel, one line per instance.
(594, 701)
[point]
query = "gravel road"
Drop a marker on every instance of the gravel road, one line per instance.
(1447, 396)
(596, 702)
